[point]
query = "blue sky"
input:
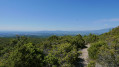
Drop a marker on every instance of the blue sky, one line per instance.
(68, 15)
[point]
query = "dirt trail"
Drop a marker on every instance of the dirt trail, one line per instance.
(84, 55)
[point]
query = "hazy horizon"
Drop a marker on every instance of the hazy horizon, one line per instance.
(50, 30)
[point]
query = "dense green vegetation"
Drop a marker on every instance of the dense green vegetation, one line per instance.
(55, 51)
(105, 50)
(60, 51)
(90, 38)
(91, 64)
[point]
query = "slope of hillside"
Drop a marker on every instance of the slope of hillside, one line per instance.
(105, 51)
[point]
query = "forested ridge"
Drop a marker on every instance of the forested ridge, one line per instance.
(60, 51)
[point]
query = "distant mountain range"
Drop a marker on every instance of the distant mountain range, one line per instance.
(49, 33)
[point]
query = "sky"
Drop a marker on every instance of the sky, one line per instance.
(52, 15)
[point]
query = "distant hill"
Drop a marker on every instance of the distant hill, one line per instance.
(49, 33)
(112, 33)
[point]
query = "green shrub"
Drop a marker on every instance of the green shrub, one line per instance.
(93, 50)
(91, 64)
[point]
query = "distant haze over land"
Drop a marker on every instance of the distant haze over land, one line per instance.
(49, 33)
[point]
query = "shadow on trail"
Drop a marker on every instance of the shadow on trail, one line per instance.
(80, 63)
